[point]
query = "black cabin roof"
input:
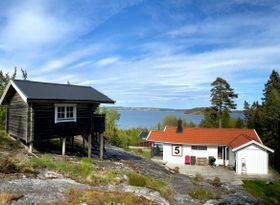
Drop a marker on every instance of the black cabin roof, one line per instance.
(33, 90)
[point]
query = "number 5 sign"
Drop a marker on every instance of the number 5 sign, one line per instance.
(177, 150)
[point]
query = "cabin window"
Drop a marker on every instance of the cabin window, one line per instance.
(199, 147)
(65, 113)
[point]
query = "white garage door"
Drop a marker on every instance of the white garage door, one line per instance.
(252, 160)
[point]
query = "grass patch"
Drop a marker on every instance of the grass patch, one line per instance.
(76, 170)
(103, 198)
(198, 177)
(7, 142)
(8, 166)
(268, 193)
(7, 198)
(83, 172)
(144, 153)
(202, 194)
(216, 182)
(151, 183)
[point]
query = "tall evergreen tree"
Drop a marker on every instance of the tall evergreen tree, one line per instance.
(271, 116)
(272, 83)
(222, 96)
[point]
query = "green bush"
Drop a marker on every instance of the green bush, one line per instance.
(137, 180)
(7, 142)
(151, 183)
(268, 193)
(202, 194)
(79, 170)
(198, 177)
(216, 182)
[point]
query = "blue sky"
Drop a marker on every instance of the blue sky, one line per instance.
(153, 53)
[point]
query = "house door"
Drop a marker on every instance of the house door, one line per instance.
(222, 154)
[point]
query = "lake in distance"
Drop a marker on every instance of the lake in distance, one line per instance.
(148, 119)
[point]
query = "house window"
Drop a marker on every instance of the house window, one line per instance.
(199, 147)
(65, 113)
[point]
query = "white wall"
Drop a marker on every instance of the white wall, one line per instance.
(167, 153)
(256, 160)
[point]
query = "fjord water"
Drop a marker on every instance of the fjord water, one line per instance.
(148, 119)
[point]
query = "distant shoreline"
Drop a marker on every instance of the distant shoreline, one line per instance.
(192, 111)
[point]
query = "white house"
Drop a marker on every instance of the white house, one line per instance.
(239, 148)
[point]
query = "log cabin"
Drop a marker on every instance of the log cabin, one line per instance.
(40, 111)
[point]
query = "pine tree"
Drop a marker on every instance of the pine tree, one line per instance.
(272, 83)
(271, 115)
(222, 96)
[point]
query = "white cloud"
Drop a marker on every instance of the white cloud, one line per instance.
(107, 61)
(29, 24)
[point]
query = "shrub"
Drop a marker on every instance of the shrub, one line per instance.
(268, 193)
(198, 177)
(216, 182)
(136, 180)
(8, 166)
(202, 194)
(7, 142)
(151, 183)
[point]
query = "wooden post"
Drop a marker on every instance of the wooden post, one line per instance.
(63, 145)
(83, 141)
(72, 142)
(101, 143)
(89, 145)
(30, 147)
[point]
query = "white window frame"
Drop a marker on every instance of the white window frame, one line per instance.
(65, 119)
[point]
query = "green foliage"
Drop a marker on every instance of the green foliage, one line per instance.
(222, 96)
(111, 128)
(216, 182)
(265, 118)
(170, 120)
(75, 170)
(198, 177)
(192, 124)
(211, 119)
(252, 114)
(268, 193)
(202, 194)
(239, 123)
(144, 153)
(136, 180)
(4, 80)
(5, 141)
(151, 183)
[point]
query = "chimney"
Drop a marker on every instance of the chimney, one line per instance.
(180, 126)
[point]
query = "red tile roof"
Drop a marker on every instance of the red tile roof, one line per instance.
(205, 136)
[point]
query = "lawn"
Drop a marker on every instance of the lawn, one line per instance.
(144, 153)
(268, 193)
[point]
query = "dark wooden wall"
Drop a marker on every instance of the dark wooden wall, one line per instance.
(45, 127)
(17, 111)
